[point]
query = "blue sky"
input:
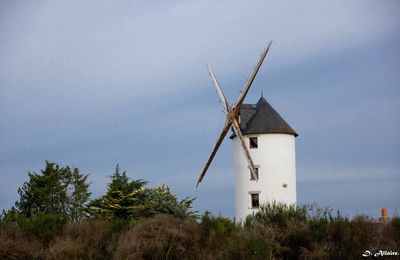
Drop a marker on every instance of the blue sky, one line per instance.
(96, 83)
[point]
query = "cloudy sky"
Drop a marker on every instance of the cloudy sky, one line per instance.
(96, 83)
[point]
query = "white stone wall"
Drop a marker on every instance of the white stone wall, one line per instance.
(276, 159)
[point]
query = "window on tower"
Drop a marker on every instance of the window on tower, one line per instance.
(255, 200)
(253, 142)
(251, 175)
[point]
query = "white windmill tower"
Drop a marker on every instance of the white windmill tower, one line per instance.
(263, 149)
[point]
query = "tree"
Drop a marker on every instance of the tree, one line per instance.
(121, 182)
(129, 199)
(55, 190)
(77, 195)
(123, 200)
(162, 200)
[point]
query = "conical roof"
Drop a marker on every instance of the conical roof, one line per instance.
(262, 118)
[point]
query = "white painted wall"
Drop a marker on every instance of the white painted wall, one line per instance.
(277, 160)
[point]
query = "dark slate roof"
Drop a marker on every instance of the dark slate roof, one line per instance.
(262, 118)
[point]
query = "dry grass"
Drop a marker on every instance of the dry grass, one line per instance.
(82, 240)
(15, 244)
(161, 237)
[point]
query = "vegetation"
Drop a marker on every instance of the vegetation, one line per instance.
(54, 219)
(55, 190)
(128, 199)
(124, 198)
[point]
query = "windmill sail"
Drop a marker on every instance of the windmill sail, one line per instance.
(214, 151)
(251, 79)
(231, 117)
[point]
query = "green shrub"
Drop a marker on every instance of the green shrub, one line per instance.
(349, 238)
(296, 239)
(318, 229)
(277, 214)
(116, 228)
(318, 221)
(43, 226)
(217, 230)
(253, 242)
(249, 246)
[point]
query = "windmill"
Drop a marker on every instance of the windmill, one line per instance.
(262, 130)
(232, 115)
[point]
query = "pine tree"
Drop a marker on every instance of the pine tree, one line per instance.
(129, 199)
(124, 198)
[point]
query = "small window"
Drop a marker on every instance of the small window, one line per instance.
(255, 200)
(284, 185)
(253, 142)
(251, 175)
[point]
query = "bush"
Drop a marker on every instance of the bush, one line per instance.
(277, 214)
(395, 226)
(217, 230)
(253, 242)
(15, 244)
(318, 221)
(161, 237)
(349, 238)
(296, 240)
(95, 239)
(81, 240)
(43, 226)
(249, 244)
